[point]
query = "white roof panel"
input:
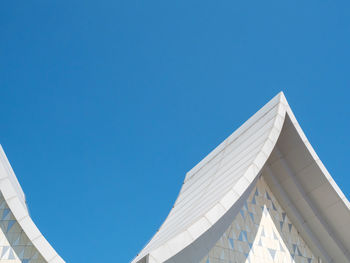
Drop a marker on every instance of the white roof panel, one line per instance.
(213, 187)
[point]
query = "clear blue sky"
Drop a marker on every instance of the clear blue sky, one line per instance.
(106, 104)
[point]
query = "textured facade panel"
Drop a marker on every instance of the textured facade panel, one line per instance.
(261, 233)
(15, 246)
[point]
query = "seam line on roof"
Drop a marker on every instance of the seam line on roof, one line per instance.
(225, 141)
(229, 166)
(262, 128)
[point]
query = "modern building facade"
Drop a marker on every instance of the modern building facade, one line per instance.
(263, 195)
(20, 239)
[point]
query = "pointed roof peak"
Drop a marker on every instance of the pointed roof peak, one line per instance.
(212, 189)
(282, 97)
(281, 93)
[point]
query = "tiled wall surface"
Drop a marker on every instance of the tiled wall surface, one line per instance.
(15, 247)
(261, 232)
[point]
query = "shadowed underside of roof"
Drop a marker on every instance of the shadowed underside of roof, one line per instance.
(214, 186)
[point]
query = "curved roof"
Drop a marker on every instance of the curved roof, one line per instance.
(15, 199)
(270, 142)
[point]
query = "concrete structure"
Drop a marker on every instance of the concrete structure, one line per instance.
(262, 195)
(20, 239)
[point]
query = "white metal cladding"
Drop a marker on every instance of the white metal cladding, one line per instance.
(14, 198)
(207, 183)
(7, 169)
(213, 186)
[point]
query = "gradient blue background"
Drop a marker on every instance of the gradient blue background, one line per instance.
(106, 104)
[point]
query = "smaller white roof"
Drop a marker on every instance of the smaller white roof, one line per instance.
(15, 199)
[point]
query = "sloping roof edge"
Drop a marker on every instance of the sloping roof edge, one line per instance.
(14, 197)
(182, 240)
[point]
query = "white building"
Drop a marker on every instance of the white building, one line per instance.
(262, 195)
(20, 239)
